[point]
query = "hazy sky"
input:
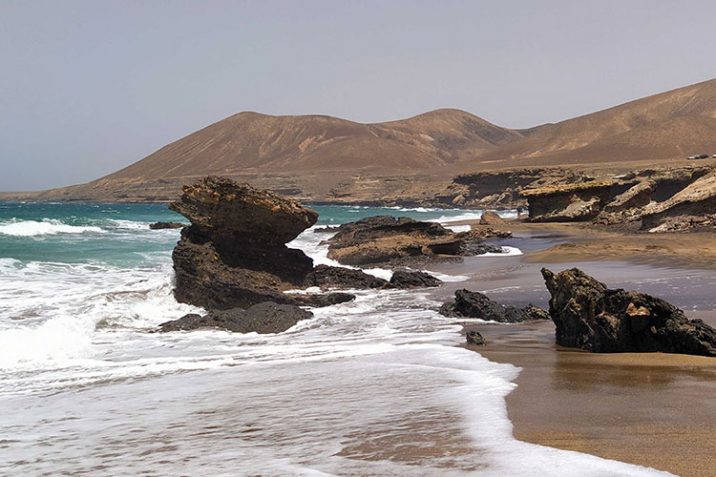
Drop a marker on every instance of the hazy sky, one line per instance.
(87, 87)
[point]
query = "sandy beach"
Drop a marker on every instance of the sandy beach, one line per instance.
(650, 409)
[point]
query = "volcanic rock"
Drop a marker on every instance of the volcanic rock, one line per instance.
(469, 304)
(590, 316)
(325, 276)
(165, 225)
(266, 317)
(474, 337)
(413, 279)
(234, 254)
(396, 240)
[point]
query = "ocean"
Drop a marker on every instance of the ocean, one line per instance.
(379, 386)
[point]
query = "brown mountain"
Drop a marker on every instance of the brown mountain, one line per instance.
(331, 159)
(664, 127)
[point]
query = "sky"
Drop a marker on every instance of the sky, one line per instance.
(88, 87)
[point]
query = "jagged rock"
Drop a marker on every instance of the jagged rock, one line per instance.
(474, 337)
(328, 229)
(590, 316)
(413, 279)
(234, 254)
(692, 207)
(327, 299)
(468, 304)
(325, 276)
(266, 317)
(165, 225)
(396, 240)
(491, 218)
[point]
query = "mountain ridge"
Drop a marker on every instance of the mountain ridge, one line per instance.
(320, 157)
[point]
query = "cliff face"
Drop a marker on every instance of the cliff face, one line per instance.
(656, 200)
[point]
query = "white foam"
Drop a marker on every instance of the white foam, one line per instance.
(507, 251)
(33, 228)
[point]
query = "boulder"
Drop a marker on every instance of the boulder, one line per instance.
(266, 317)
(590, 316)
(326, 299)
(491, 218)
(469, 304)
(234, 254)
(401, 240)
(165, 225)
(413, 279)
(326, 276)
(474, 337)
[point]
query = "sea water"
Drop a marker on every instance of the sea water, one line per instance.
(378, 386)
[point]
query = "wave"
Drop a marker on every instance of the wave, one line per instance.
(34, 228)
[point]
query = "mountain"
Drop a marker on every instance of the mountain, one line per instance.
(257, 143)
(664, 127)
(322, 158)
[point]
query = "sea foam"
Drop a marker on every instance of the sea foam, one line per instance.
(33, 228)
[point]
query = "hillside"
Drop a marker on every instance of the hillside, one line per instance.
(322, 158)
(664, 127)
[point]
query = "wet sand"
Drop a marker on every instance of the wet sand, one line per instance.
(650, 409)
(654, 409)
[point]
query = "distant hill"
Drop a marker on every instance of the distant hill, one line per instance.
(330, 159)
(665, 126)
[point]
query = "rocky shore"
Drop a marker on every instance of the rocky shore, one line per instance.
(233, 261)
(233, 258)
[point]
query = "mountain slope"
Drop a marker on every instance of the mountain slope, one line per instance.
(257, 143)
(669, 125)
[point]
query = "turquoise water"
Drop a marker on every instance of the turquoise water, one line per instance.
(118, 234)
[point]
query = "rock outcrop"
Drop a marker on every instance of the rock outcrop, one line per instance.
(590, 316)
(234, 254)
(469, 304)
(491, 218)
(413, 279)
(399, 240)
(165, 225)
(656, 200)
(267, 317)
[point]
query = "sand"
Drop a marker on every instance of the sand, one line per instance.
(653, 409)
(650, 409)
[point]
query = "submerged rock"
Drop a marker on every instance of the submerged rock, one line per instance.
(474, 337)
(469, 304)
(396, 240)
(413, 279)
(266, 317)
(325, 276)
(590, 316)
(165, 225)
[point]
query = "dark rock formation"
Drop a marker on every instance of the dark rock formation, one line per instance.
(468, 304)
(326, 299)
(474, 337)
(267, 317)
(165, 225)
(328, 229)
(592, 317)
(396, 240)
(234, 254)
(413, 279)
(325, 276)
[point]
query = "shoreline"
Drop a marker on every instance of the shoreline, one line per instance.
(649, 409)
